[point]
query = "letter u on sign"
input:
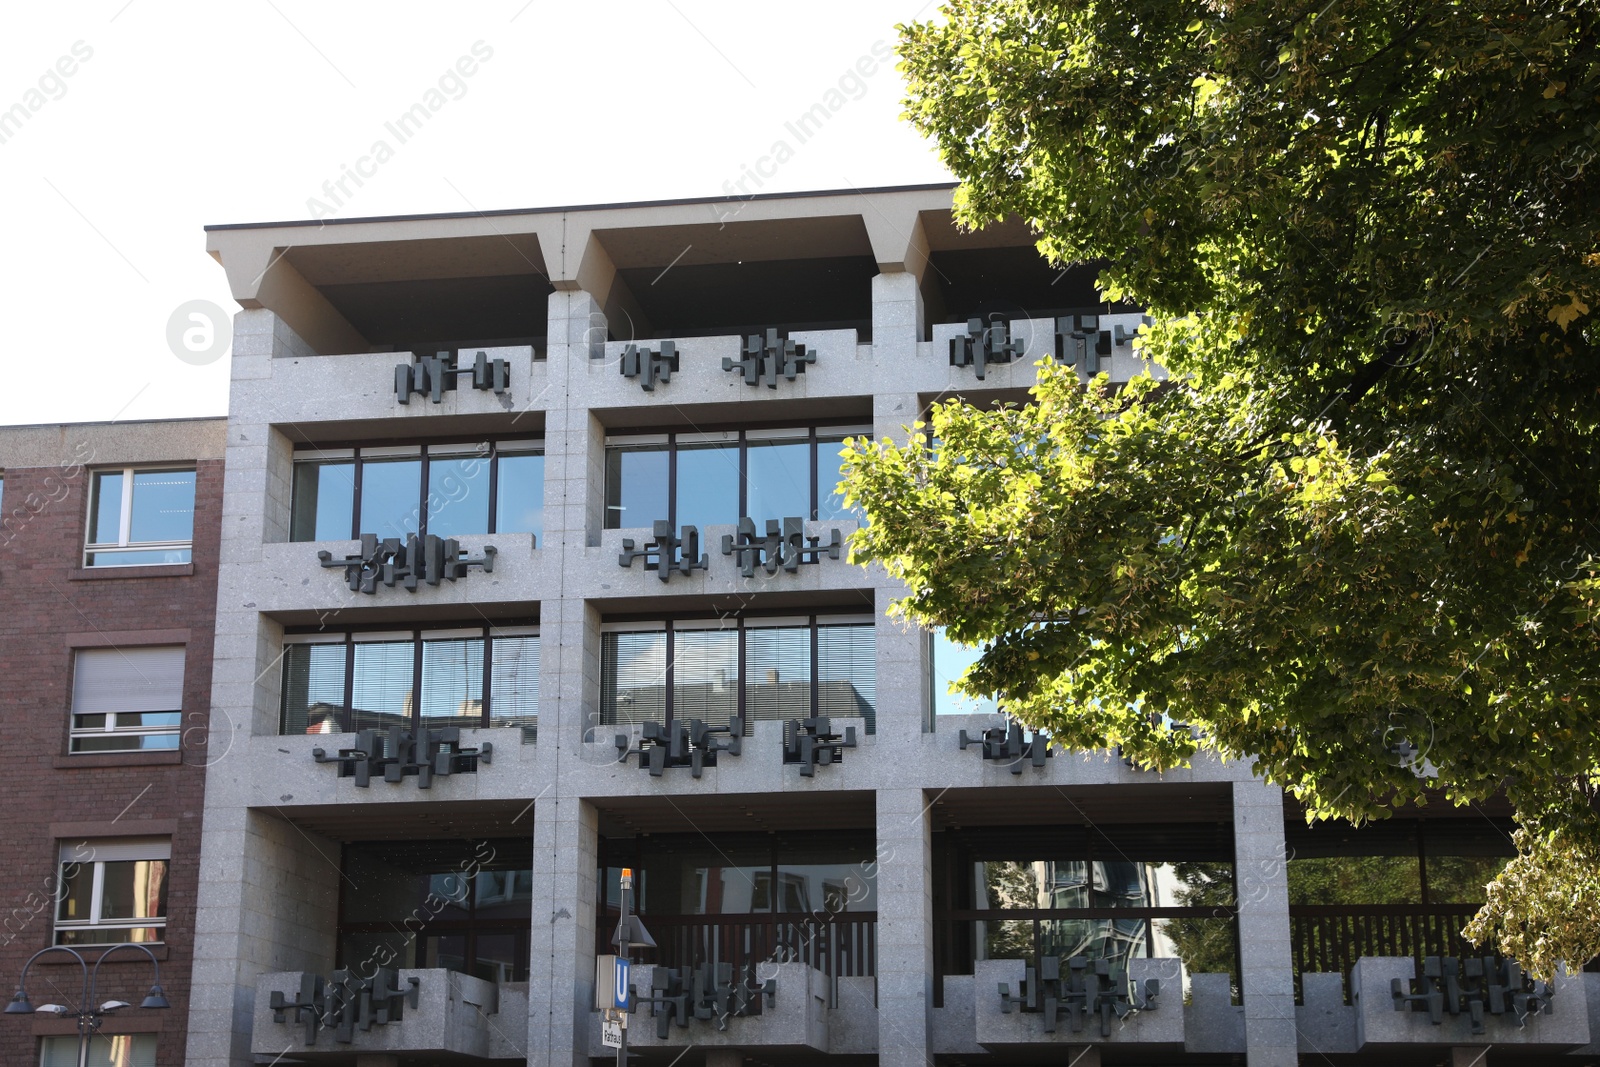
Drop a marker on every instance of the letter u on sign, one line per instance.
(619, 991)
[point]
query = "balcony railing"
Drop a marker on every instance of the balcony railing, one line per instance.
(1329, 938)
(840, 945)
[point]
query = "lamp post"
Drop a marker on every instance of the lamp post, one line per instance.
(88, 1015)
(630, 934)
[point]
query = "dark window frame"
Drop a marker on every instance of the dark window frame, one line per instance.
(346, 715)
(515, 446)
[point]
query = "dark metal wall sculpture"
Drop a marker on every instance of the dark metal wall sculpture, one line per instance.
(390, 561)
(1088, 988)
(346, 1003)
(812, 743)
(1005, 744)
(396, 753)
(765, 357)
(982, 345)
(649, 366)
(785, 545)
(1080, 341)
(691, 743)
(1476, 986)
(666, 553)
(434, 376)
(707, 993)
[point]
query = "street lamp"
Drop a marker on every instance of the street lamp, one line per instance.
(89, 1017)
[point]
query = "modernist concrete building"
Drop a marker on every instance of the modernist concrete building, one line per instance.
(422, 787)
(108, 564)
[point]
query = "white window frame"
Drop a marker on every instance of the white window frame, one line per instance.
(96, 854)
(111, 728)
(124, 542)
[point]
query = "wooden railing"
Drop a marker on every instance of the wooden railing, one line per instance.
(841, 945)
(1329, 938)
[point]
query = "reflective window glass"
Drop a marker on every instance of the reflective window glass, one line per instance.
(324, 502)
(778, 672)
(163, 506)
(779, 482)
(519, 501)
(458, 496)
(382, 694)
(950, 661)
(633, 677)
(391, 497)
(705, 675)
(708, 485)
(452, 682)
(636, 486)
(313, 688)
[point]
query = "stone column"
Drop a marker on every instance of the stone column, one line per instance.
(1265, 957)
(905, 928)
(561, 947)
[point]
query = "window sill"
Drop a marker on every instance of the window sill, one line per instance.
(156, 570)
(119, 759)
(90, 953)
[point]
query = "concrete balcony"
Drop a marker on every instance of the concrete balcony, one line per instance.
(457, 1018)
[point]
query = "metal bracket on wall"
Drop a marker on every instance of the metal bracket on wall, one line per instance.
(666, 553)
(347, 1002)
(1005, 744)
(812, 743)
(766, 356)
(706, 993)
(396, 753)
(982, 345)
(434, 376)
(691, 743)
(1081, 341)
(1090, 987)
(430, 559)
(648, 366)
(785, 545)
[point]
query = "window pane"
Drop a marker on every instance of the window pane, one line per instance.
(452, 682)
(519, 499)
(1354, 879)
(633, 673)
(382, 693)
(696, 879)
(391, 497)
(636, 486)
(324, 502)
(124, 742)
(830, 469)
(77, 888)
(313, 689)
(134, 889)
(778, 672)
(847, 672)
(163, 506)
(514, 684)
(105, 524)
(708, 485)
(110, 935)
(780, 480)
(458, 496)
(950, 661)
(705, 675)
(118, 1050)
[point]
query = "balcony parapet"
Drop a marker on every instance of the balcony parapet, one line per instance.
(1154, 1024)
(797, 1019)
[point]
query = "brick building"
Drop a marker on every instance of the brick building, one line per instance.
(108, 577)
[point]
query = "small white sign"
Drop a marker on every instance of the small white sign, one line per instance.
(611, 1025)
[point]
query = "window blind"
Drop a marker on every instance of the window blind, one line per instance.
(128, 679)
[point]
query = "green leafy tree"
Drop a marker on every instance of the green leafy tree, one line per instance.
(1354, 538)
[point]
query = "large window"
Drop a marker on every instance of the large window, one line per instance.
(140, 517)
(706, 479)
(126, 699)
(113, 891)
(1114, 892)
(759, 667)
(444, 489)
(948, 661)
(480, 676)
(105, 1050)
(460, 905)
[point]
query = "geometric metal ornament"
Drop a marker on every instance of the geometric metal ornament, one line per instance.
(785, 545)
(766, 356)
(1475, 987)
(1089, 987)
(396, 753)
(982, 345)
(812, 743)
(649, 367)
(347, 1002)
(706, 992)
(665, 553)
(433, 376)
(1005, 744)
(428, 559)
(692, 743)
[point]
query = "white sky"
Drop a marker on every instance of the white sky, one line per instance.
(186, 114)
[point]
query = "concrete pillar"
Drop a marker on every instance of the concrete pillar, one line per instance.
(897, 312)
(905, 928)
(1265, 956)
(561, 964)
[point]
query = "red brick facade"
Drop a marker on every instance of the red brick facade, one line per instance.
(49, 606)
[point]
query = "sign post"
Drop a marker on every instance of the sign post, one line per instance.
(630, 933)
